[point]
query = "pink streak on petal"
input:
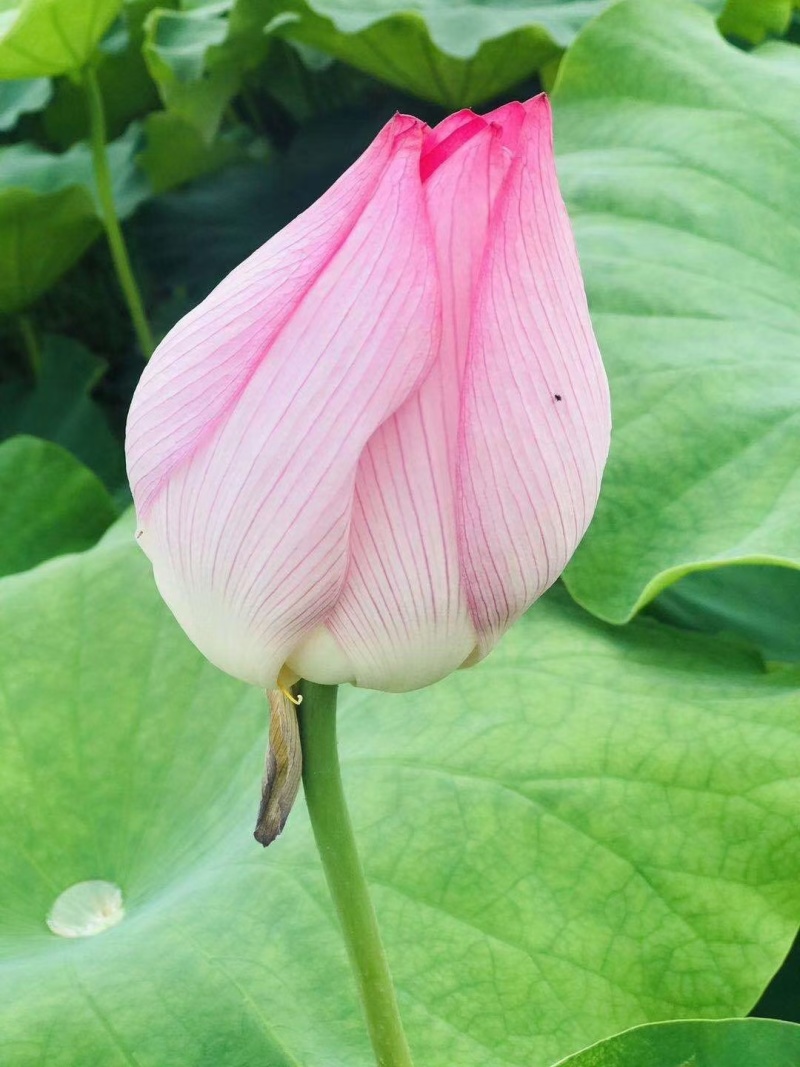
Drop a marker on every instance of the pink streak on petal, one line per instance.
(446, 127)
(249, 537)
(529, 464)
(435, 154)
(402, 618)
(204, 364)
(459, 197)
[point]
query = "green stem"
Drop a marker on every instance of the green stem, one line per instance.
(322, 783)
(116, 241)
(31, 344)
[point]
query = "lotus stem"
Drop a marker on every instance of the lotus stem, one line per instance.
(333, 832)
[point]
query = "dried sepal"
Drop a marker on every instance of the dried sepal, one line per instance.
(283, 770)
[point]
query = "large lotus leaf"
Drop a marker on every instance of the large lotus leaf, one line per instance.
(759, 604)
(52, 504)
(731, 1043)
(594, 828)
(176, 47)
(58, 407)
(46, 37)
(311, 86)
(679, 157)
(21, 97)
(198, 56)
(752, 21)
(49, 212)
(453, 53)
(26, 166)
(177, 153)
(125, 85)
(41, 236)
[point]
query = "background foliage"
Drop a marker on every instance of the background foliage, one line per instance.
(594, 830)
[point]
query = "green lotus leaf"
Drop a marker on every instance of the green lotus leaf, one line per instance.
(41, 236)
(455, 54)
(20, 98)
(125, 84)
(730, 1043)
(46, 37)
(177, 153)
(58, 406)
(759, 604)
(49, 213)
(754, 21)
(52, 504)
(593, 829)
(680, 165)
(198, 56)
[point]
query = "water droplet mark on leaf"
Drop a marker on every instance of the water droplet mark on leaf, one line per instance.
(86, 909)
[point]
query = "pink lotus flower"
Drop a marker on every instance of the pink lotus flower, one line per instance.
(381, 437)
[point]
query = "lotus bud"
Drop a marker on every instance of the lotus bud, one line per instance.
(381, 437)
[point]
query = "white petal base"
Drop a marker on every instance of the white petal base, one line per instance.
(319, 658)
(415, 661)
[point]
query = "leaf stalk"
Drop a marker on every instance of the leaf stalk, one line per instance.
(105, 191)
(31, 345)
